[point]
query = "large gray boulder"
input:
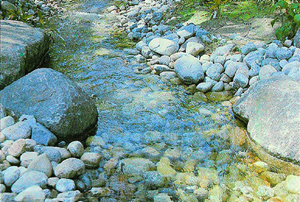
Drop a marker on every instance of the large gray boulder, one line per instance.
(22, 50)
(272, 109)
(55, 101)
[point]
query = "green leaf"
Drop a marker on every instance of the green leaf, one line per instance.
(297, 19)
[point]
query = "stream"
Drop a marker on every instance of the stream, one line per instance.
(138, 112)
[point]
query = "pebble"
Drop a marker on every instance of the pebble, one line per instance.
(20, 130)
(69, 168)
(91, 160)
(34, 193)
(64, 185)
(6, 122)
(76, 149)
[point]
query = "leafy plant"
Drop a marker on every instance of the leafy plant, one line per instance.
(289, 15)
(216, 7)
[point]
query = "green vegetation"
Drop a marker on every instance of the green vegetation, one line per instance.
(120, 39)
(245, 10)
(289, 15)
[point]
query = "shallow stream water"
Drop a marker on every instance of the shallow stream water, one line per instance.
(139, 111)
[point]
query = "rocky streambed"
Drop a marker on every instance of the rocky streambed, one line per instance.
(155, 140)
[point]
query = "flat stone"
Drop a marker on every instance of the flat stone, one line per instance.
(64, 185)
(29, 179)
(163, 46)
(11, 175)
(17, 148)
(20, 130)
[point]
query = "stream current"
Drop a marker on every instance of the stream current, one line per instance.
(142, 111)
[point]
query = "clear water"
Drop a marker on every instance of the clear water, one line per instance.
(136, 111)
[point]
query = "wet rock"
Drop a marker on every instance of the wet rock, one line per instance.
(261, 166)
(52, 103)
(91, 160)
(42, 135)
(154, 180)
(22, 50)
(69, 168)
(189, 69)
(164, 167)
(214, 71)
(64, 185)
(70, 195)
(41, 164)
(29, 179)
(163, 46)
(272, 177)
(137, 166)
(33, 193)
(161, 68)
(249, 47)
(20, 130)
(6, 122)
(76, 149)
(263, 102)
(265, 192)
(94, 141)
(162, 197)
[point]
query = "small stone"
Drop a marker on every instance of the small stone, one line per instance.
(52, 181)
(249, 47)
(42, 135)
(163, 46)
(214, 71)
(17, 148)
(29, 179)
(266, 72)
(64, 185)
(283, 53)
(2, 189)
(33, 193)
(194, 48)
(161, 68)
(164, 167)
(76, 149)
(240, 80)
(91, 160)
(27, 157)
(72, 195)
(205, 86)
(218, 87)
(110, 166)
(272, 177)
(11, 175)
(225, 78)
(220, 59)
(292, 184)
(260, 167)
(100, 191)
(20, 130)
(265, 192)
(94, 141)
(7, 197)
(6, 122)
(136, 166)
(42, 164)
(12, 160)
(52, 152)
(253, 80)
(69, 168)
(162, 197)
